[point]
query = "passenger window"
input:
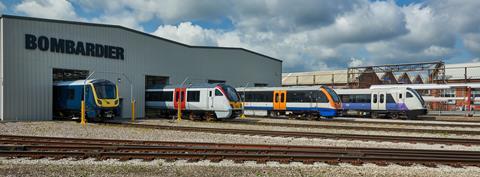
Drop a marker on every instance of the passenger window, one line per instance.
(283, 97)
(409, 95)
(374, 98)
(382, 98)
(177, 96)
(218, 93)
(400, 96)
(71, 94)
(210, 94)
(276, 98)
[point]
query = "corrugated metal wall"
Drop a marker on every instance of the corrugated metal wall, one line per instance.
(28, 73)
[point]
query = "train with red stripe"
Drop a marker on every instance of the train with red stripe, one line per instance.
(306, 102)
(195, 101)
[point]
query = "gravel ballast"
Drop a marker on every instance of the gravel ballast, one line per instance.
(90, 167)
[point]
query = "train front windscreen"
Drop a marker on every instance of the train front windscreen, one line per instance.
(334, 95)
(231, 93)
(105, 90)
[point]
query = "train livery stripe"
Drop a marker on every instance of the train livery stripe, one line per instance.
(323, 111)
(329, 97)
(368, 106)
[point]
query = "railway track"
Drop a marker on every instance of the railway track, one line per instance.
(419, 123)
(58, 148)
(367, 128)
(378, 138)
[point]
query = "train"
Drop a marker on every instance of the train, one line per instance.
(195, 101)
(311, 102)
(387, 102)
(101, 99)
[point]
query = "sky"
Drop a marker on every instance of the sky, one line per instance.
(307, 35)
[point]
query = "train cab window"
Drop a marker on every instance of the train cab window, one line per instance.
(218, 93)
(390, 98)
(382, 98)
(409, 95)
(321, 97)
(375, 98)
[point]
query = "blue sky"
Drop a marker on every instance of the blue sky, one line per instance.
(307, 35)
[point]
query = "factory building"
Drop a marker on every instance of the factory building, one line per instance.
(35, 53)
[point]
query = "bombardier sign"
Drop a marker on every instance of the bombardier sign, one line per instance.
(66, 46)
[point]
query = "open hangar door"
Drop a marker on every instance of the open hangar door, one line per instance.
(154, 82)
(60, 75)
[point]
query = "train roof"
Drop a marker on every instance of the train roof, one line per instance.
(196, 85)
(345, 91)
(279, 88)
(79, 82)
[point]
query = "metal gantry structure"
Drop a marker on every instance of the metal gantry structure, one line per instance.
(364, 76)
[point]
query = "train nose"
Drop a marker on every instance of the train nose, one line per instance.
(236, 105)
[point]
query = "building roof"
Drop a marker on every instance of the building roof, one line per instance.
(457, 71)
(315, 77)
(135, 31)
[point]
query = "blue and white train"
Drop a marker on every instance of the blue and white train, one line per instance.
(388, 102)
(101, 99)
(308, 102)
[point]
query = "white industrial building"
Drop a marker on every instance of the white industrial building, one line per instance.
(36, 52)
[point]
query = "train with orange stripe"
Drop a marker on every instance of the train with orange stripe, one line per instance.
(305, 102)
(195, 101)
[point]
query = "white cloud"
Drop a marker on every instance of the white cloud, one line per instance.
(377, 21)
(2, 8)
(55, 9)
(189, 34)
(307, 35)
(354, 62)
(472, 42)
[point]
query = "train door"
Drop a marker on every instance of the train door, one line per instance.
(379, 100)
(210, 99)
(179, 98)
(279, 100)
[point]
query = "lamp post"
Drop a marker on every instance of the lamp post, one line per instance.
(243, 103)
(179, 100)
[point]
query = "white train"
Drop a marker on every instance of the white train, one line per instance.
(389, 102)
(310, 102)
(207, 101)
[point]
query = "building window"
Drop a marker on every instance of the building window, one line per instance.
(476, 94)
(449, 93)
(260, 85)
(156, 81)
(210, 81)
